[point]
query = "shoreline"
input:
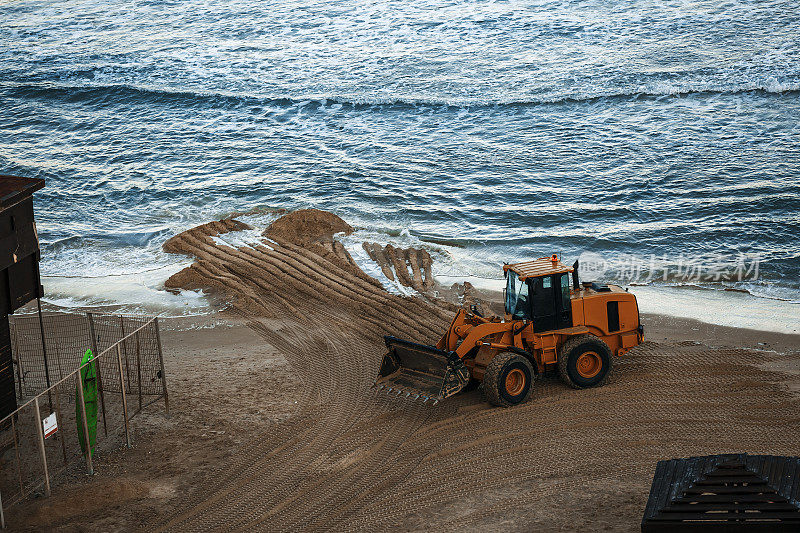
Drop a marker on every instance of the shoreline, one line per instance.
(145, 292)
(707, 307)
(668, 328)
(658, 326)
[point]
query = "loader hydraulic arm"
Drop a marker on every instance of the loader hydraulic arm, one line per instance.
(471, 329)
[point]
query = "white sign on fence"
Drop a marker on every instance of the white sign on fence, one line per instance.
(50, 425)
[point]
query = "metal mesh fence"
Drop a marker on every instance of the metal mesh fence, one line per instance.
(66, 339)
(140, 353)
(29, 458)
(25, 454)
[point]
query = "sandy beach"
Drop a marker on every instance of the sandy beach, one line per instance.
(274, 426)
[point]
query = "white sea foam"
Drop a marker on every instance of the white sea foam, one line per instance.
(248, 238)
(131, 293)
(723, 308)
(353, 245)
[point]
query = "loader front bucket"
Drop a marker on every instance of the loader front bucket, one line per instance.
(421, 372)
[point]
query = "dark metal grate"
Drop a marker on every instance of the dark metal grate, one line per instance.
(725, 493)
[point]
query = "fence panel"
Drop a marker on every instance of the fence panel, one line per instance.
(22, 471)
(66, 339)
(141, 355)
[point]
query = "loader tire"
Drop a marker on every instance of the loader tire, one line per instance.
(585, 361)
(508, 380)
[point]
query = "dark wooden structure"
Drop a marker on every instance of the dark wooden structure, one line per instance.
(19, 269)
(731, 493)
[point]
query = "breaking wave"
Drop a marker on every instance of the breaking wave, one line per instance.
(124, 93)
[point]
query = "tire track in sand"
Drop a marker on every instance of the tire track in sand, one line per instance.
(353, 460)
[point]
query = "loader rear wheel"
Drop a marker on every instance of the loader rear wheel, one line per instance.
(584, 361)
(508, 380)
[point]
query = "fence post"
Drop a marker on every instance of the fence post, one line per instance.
(161, 361)
(57, 353)
(139, 368)
(41, 446)
(124, 398)
(125, 349)
(2, 516)
(85, 424)
(44, 352)
(96, 357)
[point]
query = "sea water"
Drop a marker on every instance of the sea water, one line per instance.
(657, 140)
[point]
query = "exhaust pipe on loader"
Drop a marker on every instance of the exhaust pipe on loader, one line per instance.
(420, 371)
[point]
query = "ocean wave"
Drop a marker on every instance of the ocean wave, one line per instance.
(767, 291)
(111, 238)
(127, 93)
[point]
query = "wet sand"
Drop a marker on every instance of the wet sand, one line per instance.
(274, 426)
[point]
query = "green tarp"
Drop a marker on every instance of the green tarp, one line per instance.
(89, 378)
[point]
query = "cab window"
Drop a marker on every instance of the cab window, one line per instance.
(517, 303)
(565, 300)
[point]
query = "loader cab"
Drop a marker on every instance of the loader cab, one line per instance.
(552, 308)
(539, 292)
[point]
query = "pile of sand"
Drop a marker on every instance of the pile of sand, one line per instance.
(193, 277)
(352, 460)
(307, 226)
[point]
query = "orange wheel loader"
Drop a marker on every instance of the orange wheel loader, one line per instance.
(551, 323)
